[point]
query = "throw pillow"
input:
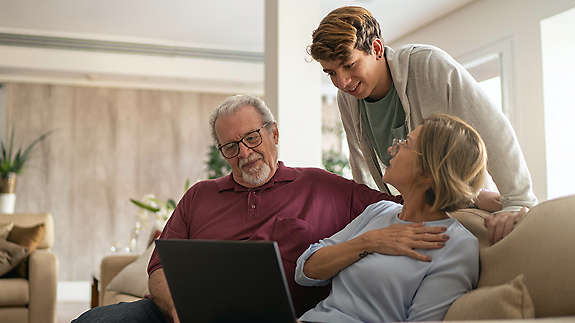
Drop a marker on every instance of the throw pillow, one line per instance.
(11, 255)
(28, 237)
(5, 229)
(133, 279)
(506, 301)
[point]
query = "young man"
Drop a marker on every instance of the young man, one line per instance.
(262, 199)
(384, 94)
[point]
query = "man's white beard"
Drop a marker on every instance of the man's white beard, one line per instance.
(261, 175)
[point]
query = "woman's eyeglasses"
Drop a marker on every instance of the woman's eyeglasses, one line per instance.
(398, 143)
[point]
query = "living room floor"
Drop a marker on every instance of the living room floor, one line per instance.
(67, 311)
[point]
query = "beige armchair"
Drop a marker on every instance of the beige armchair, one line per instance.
(109, 268)
(32, 300)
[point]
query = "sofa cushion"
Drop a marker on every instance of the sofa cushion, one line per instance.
(133, 279)
(31, 219)
(5, 229)
(540, 248)
(29, 237)
(14, 314)
(111, 297)
(473, 220)
(11, 254)
(15, 292)
(506, 301)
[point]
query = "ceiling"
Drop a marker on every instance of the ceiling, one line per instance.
(220, 42)
(219, 24)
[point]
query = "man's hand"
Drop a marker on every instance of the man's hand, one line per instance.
(488, 201)
(499, 225)
(400, 239)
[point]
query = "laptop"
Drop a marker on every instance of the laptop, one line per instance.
(226, 281)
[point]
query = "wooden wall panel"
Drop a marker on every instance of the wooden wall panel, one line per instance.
(109, 145)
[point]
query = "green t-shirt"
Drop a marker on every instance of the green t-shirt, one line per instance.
(384, 120)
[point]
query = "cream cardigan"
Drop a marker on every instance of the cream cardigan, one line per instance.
(429, 81)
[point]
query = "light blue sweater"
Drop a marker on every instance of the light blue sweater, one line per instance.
(381, 288)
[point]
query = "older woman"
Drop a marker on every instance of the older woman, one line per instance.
(439, 168)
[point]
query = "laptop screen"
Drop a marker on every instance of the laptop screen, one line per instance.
(226, 281)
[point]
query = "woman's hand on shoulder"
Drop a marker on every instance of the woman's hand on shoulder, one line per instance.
(401, 239)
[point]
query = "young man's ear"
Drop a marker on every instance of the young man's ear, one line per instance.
(377, 48)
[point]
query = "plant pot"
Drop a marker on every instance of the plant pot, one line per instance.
(8, 183)
(7, 195)
(7, 202)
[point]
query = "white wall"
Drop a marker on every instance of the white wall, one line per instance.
(292, 83)
(485, 22)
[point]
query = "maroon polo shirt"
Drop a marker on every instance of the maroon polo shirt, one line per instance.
(296, 207)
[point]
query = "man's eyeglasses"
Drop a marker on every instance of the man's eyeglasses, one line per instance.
(398, 143)
(251, 140)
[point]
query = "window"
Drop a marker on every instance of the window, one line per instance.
(491, 66)
(558, 50)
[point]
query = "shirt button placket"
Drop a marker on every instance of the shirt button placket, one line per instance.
(252, 203)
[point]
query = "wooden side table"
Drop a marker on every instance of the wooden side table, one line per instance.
(95, 293)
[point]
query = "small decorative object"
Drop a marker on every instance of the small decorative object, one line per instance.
(151, 209)
(11, 164)
(216, 165)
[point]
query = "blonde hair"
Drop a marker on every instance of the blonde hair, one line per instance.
(343, 30)
(455, 157)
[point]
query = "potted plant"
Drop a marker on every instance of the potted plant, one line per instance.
(152, 209)
(12, 163)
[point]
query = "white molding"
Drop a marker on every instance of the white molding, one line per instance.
(95, 68)
(74, 291)
(169, 85)
(138, 48)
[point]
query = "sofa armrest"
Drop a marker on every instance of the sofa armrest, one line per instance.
(111, 266)
(43, 276)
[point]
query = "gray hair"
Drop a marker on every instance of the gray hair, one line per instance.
(234, 103)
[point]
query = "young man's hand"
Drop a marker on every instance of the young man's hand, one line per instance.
(489, 201)
(499, 225)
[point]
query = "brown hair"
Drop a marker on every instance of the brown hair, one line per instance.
(343, 30)
(454, 155)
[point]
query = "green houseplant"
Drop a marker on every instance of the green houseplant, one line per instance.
(152, 209)
(12, 162)
(216, 164)
(335, 162)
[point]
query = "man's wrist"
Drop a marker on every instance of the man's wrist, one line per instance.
(511, 209)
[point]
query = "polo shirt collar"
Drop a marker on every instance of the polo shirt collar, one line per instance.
(283, 174)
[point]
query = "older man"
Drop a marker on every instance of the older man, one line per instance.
(262, 199)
